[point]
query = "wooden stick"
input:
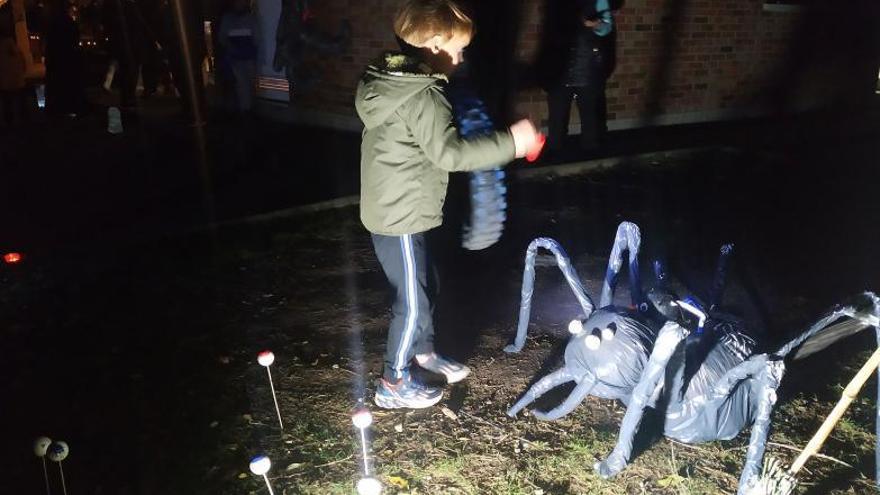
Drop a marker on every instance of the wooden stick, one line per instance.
(849, 394)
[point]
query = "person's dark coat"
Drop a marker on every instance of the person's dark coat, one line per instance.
(65, 91)
(570, 53)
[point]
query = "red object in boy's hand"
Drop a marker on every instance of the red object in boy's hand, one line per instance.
(12, 258)
(535, 152)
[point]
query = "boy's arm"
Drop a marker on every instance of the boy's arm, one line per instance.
(430, 120)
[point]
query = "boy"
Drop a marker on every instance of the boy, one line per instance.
(409, 147)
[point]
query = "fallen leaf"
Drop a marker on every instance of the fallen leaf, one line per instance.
(671, 480)
(398, 482)
(449, 413)
(242, 476)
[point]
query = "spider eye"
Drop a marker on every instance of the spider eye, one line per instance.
(594, 340)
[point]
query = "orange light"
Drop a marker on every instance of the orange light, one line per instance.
(12, 258)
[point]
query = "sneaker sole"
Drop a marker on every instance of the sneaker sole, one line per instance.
(392, 403)
(457, 377)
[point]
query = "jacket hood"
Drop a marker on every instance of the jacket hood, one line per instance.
(388, 84)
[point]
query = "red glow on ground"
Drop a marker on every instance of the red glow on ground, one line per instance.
(12, 258)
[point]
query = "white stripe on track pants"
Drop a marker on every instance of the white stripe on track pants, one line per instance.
(407, 264)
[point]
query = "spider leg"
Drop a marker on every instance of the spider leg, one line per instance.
(628, 238)
(571, 402)
(877, 420)
(571, 277)
(855, 311)
(767, 378)
(668, 340)
(540, 388)
(720, 280)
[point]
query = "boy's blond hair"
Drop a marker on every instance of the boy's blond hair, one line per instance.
(417, 21)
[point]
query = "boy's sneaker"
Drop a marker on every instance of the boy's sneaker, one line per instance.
(452, 370)
(406, 393)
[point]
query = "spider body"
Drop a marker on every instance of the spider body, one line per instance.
(699, 368)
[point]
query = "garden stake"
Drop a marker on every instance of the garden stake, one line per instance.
(775, 479)
(362, 419)
(260, 466)
(41, 446)
(266, 358)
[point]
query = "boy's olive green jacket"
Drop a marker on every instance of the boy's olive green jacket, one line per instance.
(410, 145)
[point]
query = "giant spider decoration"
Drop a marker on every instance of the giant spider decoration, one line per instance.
(699, 367)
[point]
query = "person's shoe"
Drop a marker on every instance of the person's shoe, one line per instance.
(452, 370)
(406, 393)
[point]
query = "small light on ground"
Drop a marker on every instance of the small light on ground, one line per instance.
(41, 446)
(12, 258)
(362, 418)
(369, 486)
(266, 358)
(260, 465)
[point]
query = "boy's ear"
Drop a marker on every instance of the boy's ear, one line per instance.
(434, 43)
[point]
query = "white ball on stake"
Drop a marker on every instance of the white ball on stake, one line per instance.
(57, 452)
(41, 448)
(362, 418)
(260, 466)
(369, 486)
(266, 358)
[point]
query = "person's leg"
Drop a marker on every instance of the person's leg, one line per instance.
(150, 71)
(111, 72)
(423, 343)
(404, 263)
(6, 107)
(558, 113)
(423, 346)
(602, 112)
(588, 102)
(245, 84)
(126, 73)
(19, 104)
(242, 82)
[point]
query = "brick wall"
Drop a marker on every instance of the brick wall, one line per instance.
(719, 62)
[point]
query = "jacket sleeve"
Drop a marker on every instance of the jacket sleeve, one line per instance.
(429, 118)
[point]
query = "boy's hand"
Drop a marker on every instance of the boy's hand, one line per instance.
(525, 137)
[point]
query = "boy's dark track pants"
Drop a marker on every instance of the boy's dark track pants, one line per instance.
(406, 262)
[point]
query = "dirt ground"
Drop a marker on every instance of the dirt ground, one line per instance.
(146, 355)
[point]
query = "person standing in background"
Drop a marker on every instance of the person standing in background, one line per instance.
(65, 89)
(12, 81)
(580, 57)
(240, 39)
